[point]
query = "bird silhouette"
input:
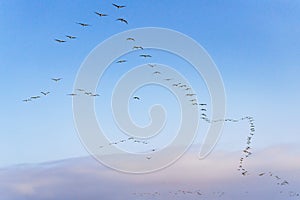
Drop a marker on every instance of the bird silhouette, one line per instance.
(100, 14)
(121, 61)
(138, 47)
(71, 37)
(72, 94)
(26, 100)
(82, 24)
(56, 79)
(122, 20)
(118, 6)
(130, 39)
(151, 65)
(35, 97)
(60, 41)
(145, 55)
(45, 93)
(156, 72)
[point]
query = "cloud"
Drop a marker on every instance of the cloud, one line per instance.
(84, 178)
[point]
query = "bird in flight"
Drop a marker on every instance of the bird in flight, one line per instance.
(72, 94)
(145, 55)
(156, 72)
(45, 93)
(35, 97)
(26, 100)
(60, 41)
(136, 98)
(122, 20)
(95, 95)
(190, 95)
(138, 47)
(70, 37)
(101, 14)
(151, 65)
(121, 61)
(56, 79)
(244, 173)
(82, 24)
(168, 79)
(284, 183)
(130, 38)
(118, 6)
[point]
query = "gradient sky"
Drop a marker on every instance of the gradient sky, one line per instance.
(255, 45)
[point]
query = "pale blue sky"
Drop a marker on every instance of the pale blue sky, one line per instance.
(255, 45)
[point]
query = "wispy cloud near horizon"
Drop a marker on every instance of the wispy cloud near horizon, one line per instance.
(215, 178)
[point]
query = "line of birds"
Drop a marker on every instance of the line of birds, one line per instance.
(46, 93)
(43, 93)
(84, 92)
(177, 193)
(133, 140)
(99, 14)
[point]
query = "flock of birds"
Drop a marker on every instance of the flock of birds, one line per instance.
(177, 193)
(42, 93)
(71, 37)
(46, 93)
(191, 97)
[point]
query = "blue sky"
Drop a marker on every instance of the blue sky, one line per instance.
(254, 44)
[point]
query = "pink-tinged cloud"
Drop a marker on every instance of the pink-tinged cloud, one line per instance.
(215, 177)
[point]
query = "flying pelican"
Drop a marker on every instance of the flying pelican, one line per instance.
(118, 6)
(190, 94)
(284, 183)
(26, 100)
(136, 98)
(156, 72)
(72, 94)
(122, 20)
(100, 14)
(82, 24)
(168, 79)
(138, 47)
(151, 65)
(56, 79)
(60, 41)
(145, 55)
(202, 104)
(94, 95)
(45, 93)
(244, 173)
(35, 97)
(71, 37)
(121, 61)
(130, 38)
(80, 90)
